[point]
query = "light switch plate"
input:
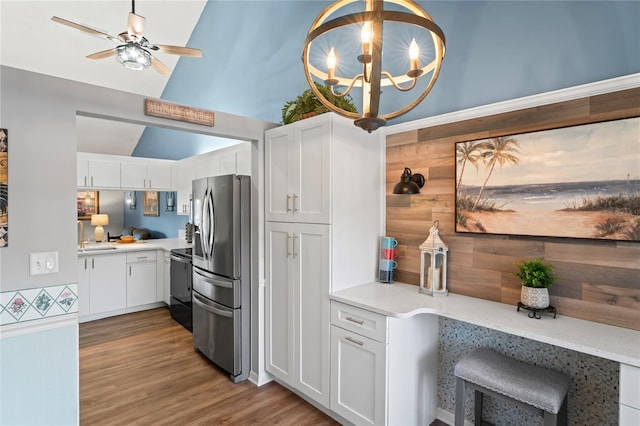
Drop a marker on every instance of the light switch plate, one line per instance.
(43, 263)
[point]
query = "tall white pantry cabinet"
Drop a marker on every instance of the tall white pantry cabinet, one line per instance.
(322, 199)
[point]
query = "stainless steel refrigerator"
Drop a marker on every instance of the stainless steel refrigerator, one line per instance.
(222, 272)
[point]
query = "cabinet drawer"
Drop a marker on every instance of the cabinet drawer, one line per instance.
(361, 321)
(141, 256)
(630, 386)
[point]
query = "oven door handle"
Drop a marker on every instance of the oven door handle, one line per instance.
(201, 302)
(180, 259)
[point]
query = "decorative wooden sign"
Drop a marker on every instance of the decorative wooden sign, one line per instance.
(171, 111)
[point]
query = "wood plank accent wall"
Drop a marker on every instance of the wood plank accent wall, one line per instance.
(599, 280)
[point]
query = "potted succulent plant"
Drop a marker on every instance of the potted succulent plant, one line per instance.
(307, 104)
(536, 278)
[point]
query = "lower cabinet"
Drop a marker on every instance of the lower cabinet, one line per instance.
(141, 278)
(116, 283)
(297, 307)
(629, 395)
(384, 370)
(107, 282)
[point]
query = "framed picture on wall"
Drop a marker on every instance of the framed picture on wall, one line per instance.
(579, 182)
(151, 203)
(4, 187)
(88, 203)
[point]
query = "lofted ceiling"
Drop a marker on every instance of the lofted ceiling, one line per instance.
(29, 40)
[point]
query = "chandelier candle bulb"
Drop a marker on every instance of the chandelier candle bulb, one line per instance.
(332, 60)
(414, 55)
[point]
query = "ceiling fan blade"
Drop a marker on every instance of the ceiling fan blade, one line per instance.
(135, 25)
(83, 28)
(177, 50)
(160, 67)
(103, 54)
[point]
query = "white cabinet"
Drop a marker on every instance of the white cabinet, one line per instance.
(297, 166)
(185, 176)
(84, 286)
(298, 307)
(97, 173)
(323, 191)
(141, 278)
(384, 370)
(166, 284)
(108, 282)
(629, 395)
(235, 159)
(146, 175)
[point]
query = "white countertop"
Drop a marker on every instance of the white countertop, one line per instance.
(166, 244)
(403, 300)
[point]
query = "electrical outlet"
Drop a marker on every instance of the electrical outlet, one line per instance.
(43, 263)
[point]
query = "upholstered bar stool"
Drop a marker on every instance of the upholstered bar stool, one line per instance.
(536, 389)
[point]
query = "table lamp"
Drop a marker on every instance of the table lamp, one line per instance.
(99, 220)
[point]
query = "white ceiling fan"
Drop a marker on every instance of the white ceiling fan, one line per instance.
(133, 50)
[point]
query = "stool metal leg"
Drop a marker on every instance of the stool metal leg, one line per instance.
(477, 403)
(459, 414)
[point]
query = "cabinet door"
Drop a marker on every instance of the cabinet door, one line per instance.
(141, 283)
(358, 377)
(104, 174)
(166, 288)
(311, 201)
(279, 301)
(133, 176)
(84, 289)
(82, 173)
(186, 175)
(159, 177)
(310, 253)
(278, 158)
(108, 283)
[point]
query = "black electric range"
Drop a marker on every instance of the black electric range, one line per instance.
(180, 287)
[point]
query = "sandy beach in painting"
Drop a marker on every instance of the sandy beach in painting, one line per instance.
(558, 223)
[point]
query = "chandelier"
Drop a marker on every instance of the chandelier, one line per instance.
(365, 71)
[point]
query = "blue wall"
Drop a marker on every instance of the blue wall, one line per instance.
(496, 51)
(39, 378)
(166, 225)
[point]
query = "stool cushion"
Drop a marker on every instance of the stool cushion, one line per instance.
(530, 384)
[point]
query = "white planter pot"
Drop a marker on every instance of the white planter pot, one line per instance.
(537, 298)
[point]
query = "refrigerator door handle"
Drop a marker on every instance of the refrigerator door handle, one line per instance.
(204, 227)
(212, 223)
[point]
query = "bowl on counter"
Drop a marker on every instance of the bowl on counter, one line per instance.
(127, 239)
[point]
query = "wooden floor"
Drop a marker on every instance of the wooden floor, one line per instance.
(141, 369)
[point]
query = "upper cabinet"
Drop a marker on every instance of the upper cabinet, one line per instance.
(235, 159)
(146, 174)
(297, 165)
(117, 172)
(96, 172)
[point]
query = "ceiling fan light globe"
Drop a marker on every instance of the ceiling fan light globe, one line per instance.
(133, 56)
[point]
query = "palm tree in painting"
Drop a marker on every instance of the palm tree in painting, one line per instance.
(500, 150)
(467, 152)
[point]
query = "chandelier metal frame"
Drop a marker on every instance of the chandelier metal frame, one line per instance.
(373, 78)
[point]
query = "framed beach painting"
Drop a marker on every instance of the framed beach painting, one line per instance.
(577, 182)
(151, 204)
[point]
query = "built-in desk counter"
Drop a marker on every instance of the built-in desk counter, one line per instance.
(403, 300)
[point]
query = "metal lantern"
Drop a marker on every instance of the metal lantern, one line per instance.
(433, 264)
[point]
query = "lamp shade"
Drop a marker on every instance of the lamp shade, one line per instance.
(99, 219)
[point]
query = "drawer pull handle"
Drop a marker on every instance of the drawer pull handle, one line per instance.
(357, 342)
(359, 322)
